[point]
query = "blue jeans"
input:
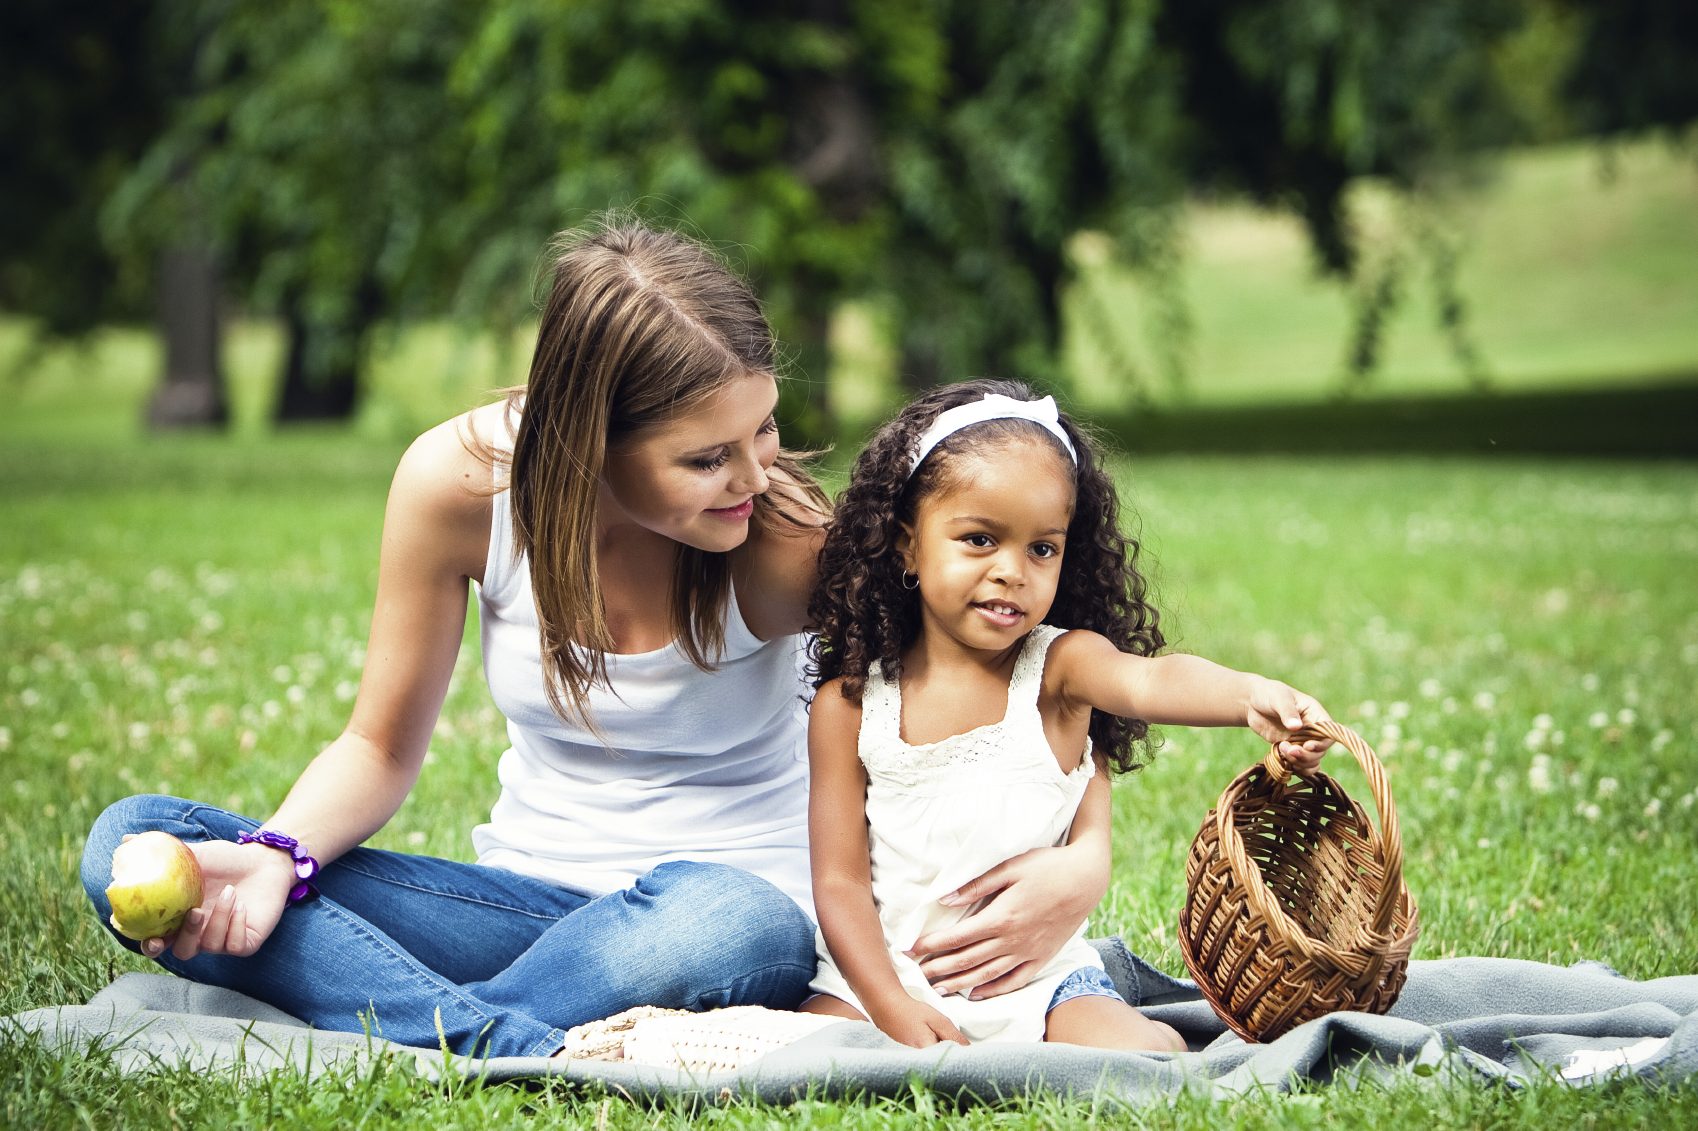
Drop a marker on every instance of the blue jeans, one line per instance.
(511, 962)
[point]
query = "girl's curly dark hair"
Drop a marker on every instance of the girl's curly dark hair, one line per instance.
(861, 611)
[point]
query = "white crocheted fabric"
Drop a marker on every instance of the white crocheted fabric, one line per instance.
(942, 813)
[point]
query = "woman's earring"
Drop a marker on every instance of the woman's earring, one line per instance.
(905, 583)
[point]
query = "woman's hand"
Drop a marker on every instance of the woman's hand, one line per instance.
(915, 1023)
(1037, 900)
(1276, 711)
(245, 889)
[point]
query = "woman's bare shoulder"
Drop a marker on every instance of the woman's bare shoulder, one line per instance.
(445, 483)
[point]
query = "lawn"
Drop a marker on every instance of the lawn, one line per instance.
(1518, 640)
(1517, 637)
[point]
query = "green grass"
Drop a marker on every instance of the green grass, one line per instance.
(1518, 639)
(1576, 269)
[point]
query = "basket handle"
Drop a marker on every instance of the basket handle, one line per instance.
(1391, 842)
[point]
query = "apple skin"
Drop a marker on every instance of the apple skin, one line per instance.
(156, 882)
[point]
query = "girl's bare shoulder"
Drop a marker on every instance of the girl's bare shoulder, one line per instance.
(1075, 651)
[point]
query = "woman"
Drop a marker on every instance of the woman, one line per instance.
(642, 553)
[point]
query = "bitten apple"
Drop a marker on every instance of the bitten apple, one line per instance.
(156, 882)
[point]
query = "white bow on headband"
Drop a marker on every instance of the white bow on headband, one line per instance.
(992, 406)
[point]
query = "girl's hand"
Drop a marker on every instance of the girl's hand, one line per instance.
(1276, 711)
(1037, 900)
(246, 887)
(916, 1024)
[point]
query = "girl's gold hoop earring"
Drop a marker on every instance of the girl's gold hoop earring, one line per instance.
(916, 579)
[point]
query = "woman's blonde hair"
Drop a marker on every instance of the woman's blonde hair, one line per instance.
(639, 326)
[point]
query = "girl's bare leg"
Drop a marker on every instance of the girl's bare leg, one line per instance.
(831, 1007)
(1108, 1023)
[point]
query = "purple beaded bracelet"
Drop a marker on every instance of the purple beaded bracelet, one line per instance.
(305, 866)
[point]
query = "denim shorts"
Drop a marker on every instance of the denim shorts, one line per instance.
(1087, 981)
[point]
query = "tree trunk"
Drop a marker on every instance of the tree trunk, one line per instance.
(322, 368)
(192, 391)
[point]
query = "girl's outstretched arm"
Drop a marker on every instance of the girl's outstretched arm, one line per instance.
(843, 888)
(1087, 671)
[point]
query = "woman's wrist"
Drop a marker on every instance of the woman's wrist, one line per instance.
(302, 865)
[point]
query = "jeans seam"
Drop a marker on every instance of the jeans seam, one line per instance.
(461, 896)
(407, 964)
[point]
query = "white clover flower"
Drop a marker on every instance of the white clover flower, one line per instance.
(1452, 761)
(1449, 706)
(29, 697)
(1607, 787)
(1367, 709)
(1431, 689)
(271, 709)
(1653, 807)
(1590, 812)
(1391, 732)
(1626, 716)
(1483, 842)
(1485, 700)
(346, 689)
(139, 732)
(1543, 722)
(1533, 739)
(1598, 720)
(415, 839)
(1589, 681)
(1687, 801)
(1661, 739)
(1539, 774)
(283, 673)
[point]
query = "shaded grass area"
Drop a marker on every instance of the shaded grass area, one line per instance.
(1517, 637)
(1657, 421)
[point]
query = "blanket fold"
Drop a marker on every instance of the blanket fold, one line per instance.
(1486, 1018)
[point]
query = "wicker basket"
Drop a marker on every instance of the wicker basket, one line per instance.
(1296, 905)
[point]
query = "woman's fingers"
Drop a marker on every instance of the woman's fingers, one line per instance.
(971, 979)
(1016, 977)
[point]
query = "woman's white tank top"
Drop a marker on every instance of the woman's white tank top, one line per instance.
(706, 766)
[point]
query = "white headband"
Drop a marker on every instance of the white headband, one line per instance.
(992, 406)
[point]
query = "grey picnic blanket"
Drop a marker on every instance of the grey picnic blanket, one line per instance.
(1492, 1018)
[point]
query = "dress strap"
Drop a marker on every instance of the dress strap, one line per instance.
(1028, 677)
(881, 710)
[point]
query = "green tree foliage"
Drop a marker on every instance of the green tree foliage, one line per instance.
(375, 161)
(85, 92)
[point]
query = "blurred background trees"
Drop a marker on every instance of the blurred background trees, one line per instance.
(947, 166)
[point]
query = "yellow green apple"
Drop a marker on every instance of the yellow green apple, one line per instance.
(156, 882)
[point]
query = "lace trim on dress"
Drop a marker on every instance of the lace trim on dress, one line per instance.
(886, 755)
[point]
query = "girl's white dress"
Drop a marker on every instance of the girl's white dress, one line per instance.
(943, 813)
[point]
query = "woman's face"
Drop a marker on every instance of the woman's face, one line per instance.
(694, 478)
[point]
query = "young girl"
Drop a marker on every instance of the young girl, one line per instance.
(985, 654)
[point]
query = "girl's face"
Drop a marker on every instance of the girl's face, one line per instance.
(988, 550)
(694, 478)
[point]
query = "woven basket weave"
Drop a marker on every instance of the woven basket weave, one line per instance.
(1296, 905)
